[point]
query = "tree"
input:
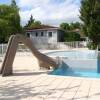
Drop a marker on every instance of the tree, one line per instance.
(90, 16)
(65, 26)
(15, 18)
(69, 34)
(13, 4)
(71, 26)
(30, 22)
(36, 24)
(9, 21)
(3, 29)
(75, 25)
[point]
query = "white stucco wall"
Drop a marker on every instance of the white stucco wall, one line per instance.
(45, 38)
(52, 39)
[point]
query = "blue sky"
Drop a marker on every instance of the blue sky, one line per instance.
(51, 12)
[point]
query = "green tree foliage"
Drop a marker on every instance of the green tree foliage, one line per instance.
(65, 26)
(75, 25)
(13, 4)
(90, 16)
(36, 24)
(71, 26)
(69, 34)
(32, 23)
(3, 31)
(9, 21)
(85, 15)
(15, 18)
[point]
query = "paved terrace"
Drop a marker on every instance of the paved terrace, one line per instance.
(29, 83)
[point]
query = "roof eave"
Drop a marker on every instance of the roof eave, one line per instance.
(42, 29)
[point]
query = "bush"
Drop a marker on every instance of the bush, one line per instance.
(72, 36)
(91, 46)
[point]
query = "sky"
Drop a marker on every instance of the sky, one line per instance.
(51, 12)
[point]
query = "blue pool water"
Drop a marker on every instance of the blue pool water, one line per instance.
(69, 66)
(63, 71)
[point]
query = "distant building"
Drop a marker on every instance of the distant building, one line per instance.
(45, 34)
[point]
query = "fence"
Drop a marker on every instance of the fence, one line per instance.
(3, 48)
(58, 45)
(62, 45)
(21, 48)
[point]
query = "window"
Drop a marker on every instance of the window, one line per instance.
(50, 34)
(28, 35)
(42, 34)
(36, 34)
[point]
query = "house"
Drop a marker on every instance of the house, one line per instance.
(45, 34)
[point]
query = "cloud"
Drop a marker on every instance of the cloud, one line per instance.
(50, 11)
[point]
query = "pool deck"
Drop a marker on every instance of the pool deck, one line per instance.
(29, 83)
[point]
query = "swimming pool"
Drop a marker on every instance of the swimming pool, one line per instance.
(90, 54)
(77, 63)
(63, 71)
